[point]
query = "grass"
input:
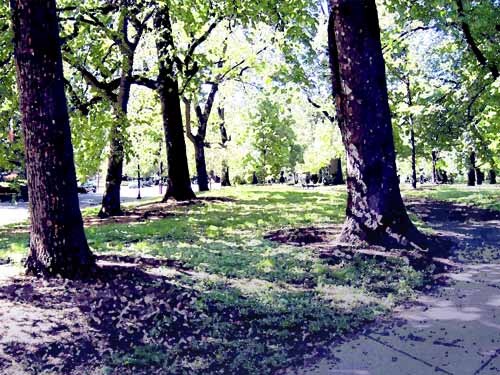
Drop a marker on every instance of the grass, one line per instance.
(484, 196)
(261, 305)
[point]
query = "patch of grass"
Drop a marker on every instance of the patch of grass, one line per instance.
(260, 305)
(484, 196)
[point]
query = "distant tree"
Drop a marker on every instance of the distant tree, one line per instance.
(466, 71)
(57, 240)
(108, 71)
(273, 140)
(375, 210)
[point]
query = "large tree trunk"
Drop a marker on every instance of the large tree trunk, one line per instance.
(179, 183)
(57, 241)
(375, 210)
(201, 164)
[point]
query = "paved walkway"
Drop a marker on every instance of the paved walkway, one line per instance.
(17, 213)
(454, 330)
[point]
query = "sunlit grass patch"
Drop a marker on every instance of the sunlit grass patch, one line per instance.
(484, 196)
(259, 305)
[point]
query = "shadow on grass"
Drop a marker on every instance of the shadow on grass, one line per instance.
(217, 297)
(132, 321)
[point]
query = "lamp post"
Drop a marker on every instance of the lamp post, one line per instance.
(139, 182)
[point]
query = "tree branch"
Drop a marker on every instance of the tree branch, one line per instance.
(481, 58)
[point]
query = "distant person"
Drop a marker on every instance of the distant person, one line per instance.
(282, 177)
(255, 181)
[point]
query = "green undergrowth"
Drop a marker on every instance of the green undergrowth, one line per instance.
(260, 306)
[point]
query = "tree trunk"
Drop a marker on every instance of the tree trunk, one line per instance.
(412, 137)
(413, 159)
(493, 176)
(471, 175)
(481, 58)
(111, 198)
(57, 240)
(375, 210)
(179, 183)
(255, 180)
(338, 178)
(434, 170)
(479, 176)
(201, 164)
(225, 175)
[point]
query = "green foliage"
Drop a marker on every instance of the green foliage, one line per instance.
(11, 141)
(273, 140)
(455, 94)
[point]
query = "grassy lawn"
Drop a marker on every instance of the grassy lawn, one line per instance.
(259, 305)
(484, 196)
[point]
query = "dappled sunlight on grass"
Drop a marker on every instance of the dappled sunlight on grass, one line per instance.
(260, 304)
(484, 196)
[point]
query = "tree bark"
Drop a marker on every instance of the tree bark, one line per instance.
(57, 240)
(179, 183)
(225, 175)
(111, 198)
(471, 175)
(434, 170)
(224, 139)
(201, 164)
(413, 158)
(375, 210)
(412, 137)
(492, 177)
(199, 139)
(479, 176)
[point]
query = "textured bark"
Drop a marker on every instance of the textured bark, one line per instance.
(57, 240)
(375, 210)
(111, 198)
(201, 164)
(179, 183)
(412, 137)
(434, 169)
